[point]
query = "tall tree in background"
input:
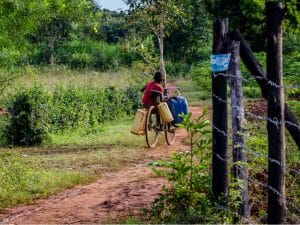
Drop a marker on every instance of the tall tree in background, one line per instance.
(59, 19)
(38, 27)
(249, 17)
(18, 20)
(186, 42)
(113, 26)
(159, 17)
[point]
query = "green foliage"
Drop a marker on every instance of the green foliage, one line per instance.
(252, 91)
(28, 118)
(33, 112)
(188, 199)
(175, 69)
(31, 31)
(20, 183)
(187, 40)
(295, 107)
(74, 107)
(201, 75)
(95, 54)
(249, 18)
(113, 26)
(151, 14)
(14, 178)
(291, 44)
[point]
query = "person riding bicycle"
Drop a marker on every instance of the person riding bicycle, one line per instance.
(152, 90)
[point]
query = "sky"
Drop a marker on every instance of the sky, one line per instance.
(115, 5)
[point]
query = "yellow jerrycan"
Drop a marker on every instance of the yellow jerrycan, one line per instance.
(139, 123)
(165, 112)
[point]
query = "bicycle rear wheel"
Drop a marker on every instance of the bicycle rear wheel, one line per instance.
(170, 132)
(152, 127)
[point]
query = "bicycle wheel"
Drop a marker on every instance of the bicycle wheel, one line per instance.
(152, 127)
(170, 132)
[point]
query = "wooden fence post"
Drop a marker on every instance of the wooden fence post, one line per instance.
(256, 70)
(240, 170)
(219, 134)
(275, 125)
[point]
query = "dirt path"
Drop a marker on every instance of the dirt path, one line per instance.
(113, 197)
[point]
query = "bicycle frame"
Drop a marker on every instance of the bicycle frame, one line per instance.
(152, 129)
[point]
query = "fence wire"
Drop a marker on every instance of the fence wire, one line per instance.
(246, 149)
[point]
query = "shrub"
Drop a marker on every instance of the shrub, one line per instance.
(69, 108)
(295, 107)
(187, 200)
(92, 54)
(177, 69)
(252, 92)
(9, 57)
(28, 118)
(33, 112)
(81, 60)
(88, 106)
(201, 75)
(131, 100)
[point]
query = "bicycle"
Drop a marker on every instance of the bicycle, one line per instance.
(154, 125)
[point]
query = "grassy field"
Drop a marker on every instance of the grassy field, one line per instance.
(76, 156)
(73, 158)
(80, 155)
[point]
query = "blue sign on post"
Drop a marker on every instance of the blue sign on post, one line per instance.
(220, 62)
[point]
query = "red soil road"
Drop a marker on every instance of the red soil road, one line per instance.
(114, 197)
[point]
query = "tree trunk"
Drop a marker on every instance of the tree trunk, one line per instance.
(240, 171)
(276, 180)
(161, 52)
(51, 45)
(256, 70)
(219, 89)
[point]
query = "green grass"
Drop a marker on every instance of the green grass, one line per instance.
(257, 144)
(51, 77)
(191, 92)
(109, 134)
(60, 75)
(22, 183)
(81, 155)
(27, 174)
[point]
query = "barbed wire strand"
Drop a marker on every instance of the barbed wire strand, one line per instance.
(253, 77)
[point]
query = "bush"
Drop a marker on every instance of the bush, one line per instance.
(252, 92)
(33, 112)
(9, 57)
(81, 60)
(74, 107)
(177, 69)
(187, 200)
(28, 118)
(95, 54)
(201, 75)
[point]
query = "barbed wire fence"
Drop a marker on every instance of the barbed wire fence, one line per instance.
(260, 155)
(290, 203)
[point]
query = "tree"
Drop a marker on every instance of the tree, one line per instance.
(159, 17)
(18, 20)
(29, 27)
(113, 26)
(249, 17)
(187, 39)
(59, 19)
